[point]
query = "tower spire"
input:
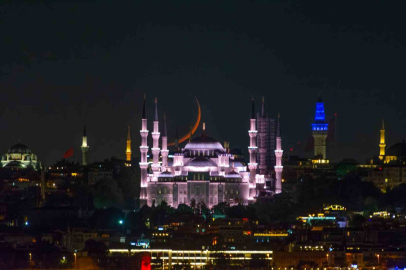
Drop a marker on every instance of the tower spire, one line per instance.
(176, 140)
(156, 109)
(253, 149)
(263, 107)
(144, 160)
(253, 109)
(190, 134)
(84, 147)
(155, 141)
(144, 110)
(278, 155)
(165, 133)
(128, 150)
(382, 144)
(164, 150)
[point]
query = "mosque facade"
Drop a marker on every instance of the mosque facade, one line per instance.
(19, 156)
(204, 170)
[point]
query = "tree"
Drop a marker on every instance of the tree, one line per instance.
(220, 209)
(129, 182)
(107, 193)
(306, 265)
(193, 204)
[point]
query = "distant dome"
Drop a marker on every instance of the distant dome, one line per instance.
(19, 149)
(398, 150)
(204, 143)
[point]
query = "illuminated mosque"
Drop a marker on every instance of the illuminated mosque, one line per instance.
(19, 156)
(204, 170)
(396, 153)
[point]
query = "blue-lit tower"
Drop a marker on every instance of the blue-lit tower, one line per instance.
(319, 128)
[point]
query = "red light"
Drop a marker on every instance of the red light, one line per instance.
(298, 142)
(380, 168)
(291, 149)
(245, 219)
(335, 114)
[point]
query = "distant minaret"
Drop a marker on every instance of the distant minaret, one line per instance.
(155, 137)
(382, 142)
(128, 151)
(278, 155)
(252, 149)
(319, 128)
(85, 148)
(144, 162)
(177, 148)
(164, 150)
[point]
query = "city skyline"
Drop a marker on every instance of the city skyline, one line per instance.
(94, 71)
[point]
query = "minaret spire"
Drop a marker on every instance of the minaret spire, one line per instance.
(156, 109)
(155, 144)
(278, 155)
(252, 149)
(176, 140)
(253, 109)
(128, 150)
(144, 151)
(144, 110)
(164, 150)
(382, 144)
(84, 147)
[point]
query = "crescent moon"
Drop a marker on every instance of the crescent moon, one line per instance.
(196, 125)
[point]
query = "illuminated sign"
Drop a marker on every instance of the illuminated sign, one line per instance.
(271, 234)
(335, 207)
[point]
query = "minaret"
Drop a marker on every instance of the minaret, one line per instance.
(164, 150)
(319, 128)
(155, 144)
(144, 162)
(252, 149)
(85, 148)
(128, 150)
(278, 155)
(382, 142)
(176, 147)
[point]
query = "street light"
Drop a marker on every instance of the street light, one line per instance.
(120, 221)
(75, 258)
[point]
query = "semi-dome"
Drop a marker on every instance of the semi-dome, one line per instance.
(201, 162)
(19, 149)
(204, 143)
(398, 150)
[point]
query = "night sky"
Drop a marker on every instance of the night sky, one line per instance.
(65, 64)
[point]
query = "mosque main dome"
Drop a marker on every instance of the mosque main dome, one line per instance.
(398, 150)
(204, 142)
(19, 149)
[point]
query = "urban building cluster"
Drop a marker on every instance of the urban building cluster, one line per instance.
(195, 203)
